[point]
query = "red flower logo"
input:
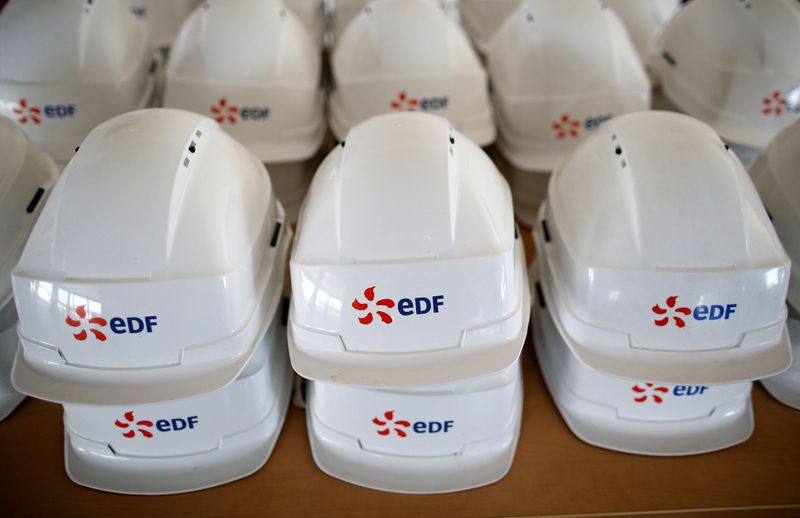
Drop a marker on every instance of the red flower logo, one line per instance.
(404, 103)
(222, 111)
(565, 126)
(129, 424)
(81, 335)
(649, 390)
(369, 294)
(774, 104)
(671, 302)
(387, 424)
(27, 113)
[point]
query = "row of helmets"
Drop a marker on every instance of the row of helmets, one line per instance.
(329, 247)
(414, 374)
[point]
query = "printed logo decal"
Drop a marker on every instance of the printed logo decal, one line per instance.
(774, 104)
(643, 392)
(565, 126)
(387, 425)
(148, 429)
(404, 102)
(82, 322)
(700, 312)
(223, 112)
(27, 113)
(405, 306)
(128, 424)
(369, 294)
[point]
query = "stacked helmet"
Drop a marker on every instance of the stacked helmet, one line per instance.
(156, 208)
(775, 177)
(658, 261)
(429, 439)
(95, 63)
(163, 19)
(559, 70)
(26, 177)
(638, 417)
(735, 66)
(344, 11)
(251, 66)
(397, 217)
(401, 55)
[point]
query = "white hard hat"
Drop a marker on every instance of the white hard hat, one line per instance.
(345, 11)
(735, 66)
(637, 416)
(482, 18)
(775, 176)
(26, 177)
(406, 259)
(154, 269)
(644, 20)
(433, 439)
(163, 18)
(407, 55)
(188, 444)
(658, 259)
(559, 70)
(67, 66)
(251, 66)
(312, 14)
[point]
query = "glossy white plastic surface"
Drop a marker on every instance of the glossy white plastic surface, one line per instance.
(735, 66)
(775, 176)
(408, 55)
(26, 178)
(406, 269)
(163, 18)
(559, 71)
(638, 417)
(658, 259)
(187, 444)
(154, 269)
(432, 439)
(252, 66)
(312, 14)
(345, 11)
(67, 66)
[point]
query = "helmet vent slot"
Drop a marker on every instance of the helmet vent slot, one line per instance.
(275, 234)
(668, 58)
(546, 231)
(35, 200)
(540, 295)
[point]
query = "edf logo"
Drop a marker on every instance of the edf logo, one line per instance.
(132, 426)
(403, 102)
(406, 306)
(656, 393)
(388, 425)
(26, 112)
(678, 314)
(83, 324)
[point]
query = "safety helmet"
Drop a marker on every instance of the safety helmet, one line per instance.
(775, 177)
(658, 260)
(157, 208)
(345, 11)
(397, 217)
(163, 19)
(550, 93)
(252, 66)
(26, 177)
(67, 66)
(187, 444)
(482, 19)
(644, 20)
(312, 14)
(637, 416)
(735, 66)
(432, 439)
(407, 55)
